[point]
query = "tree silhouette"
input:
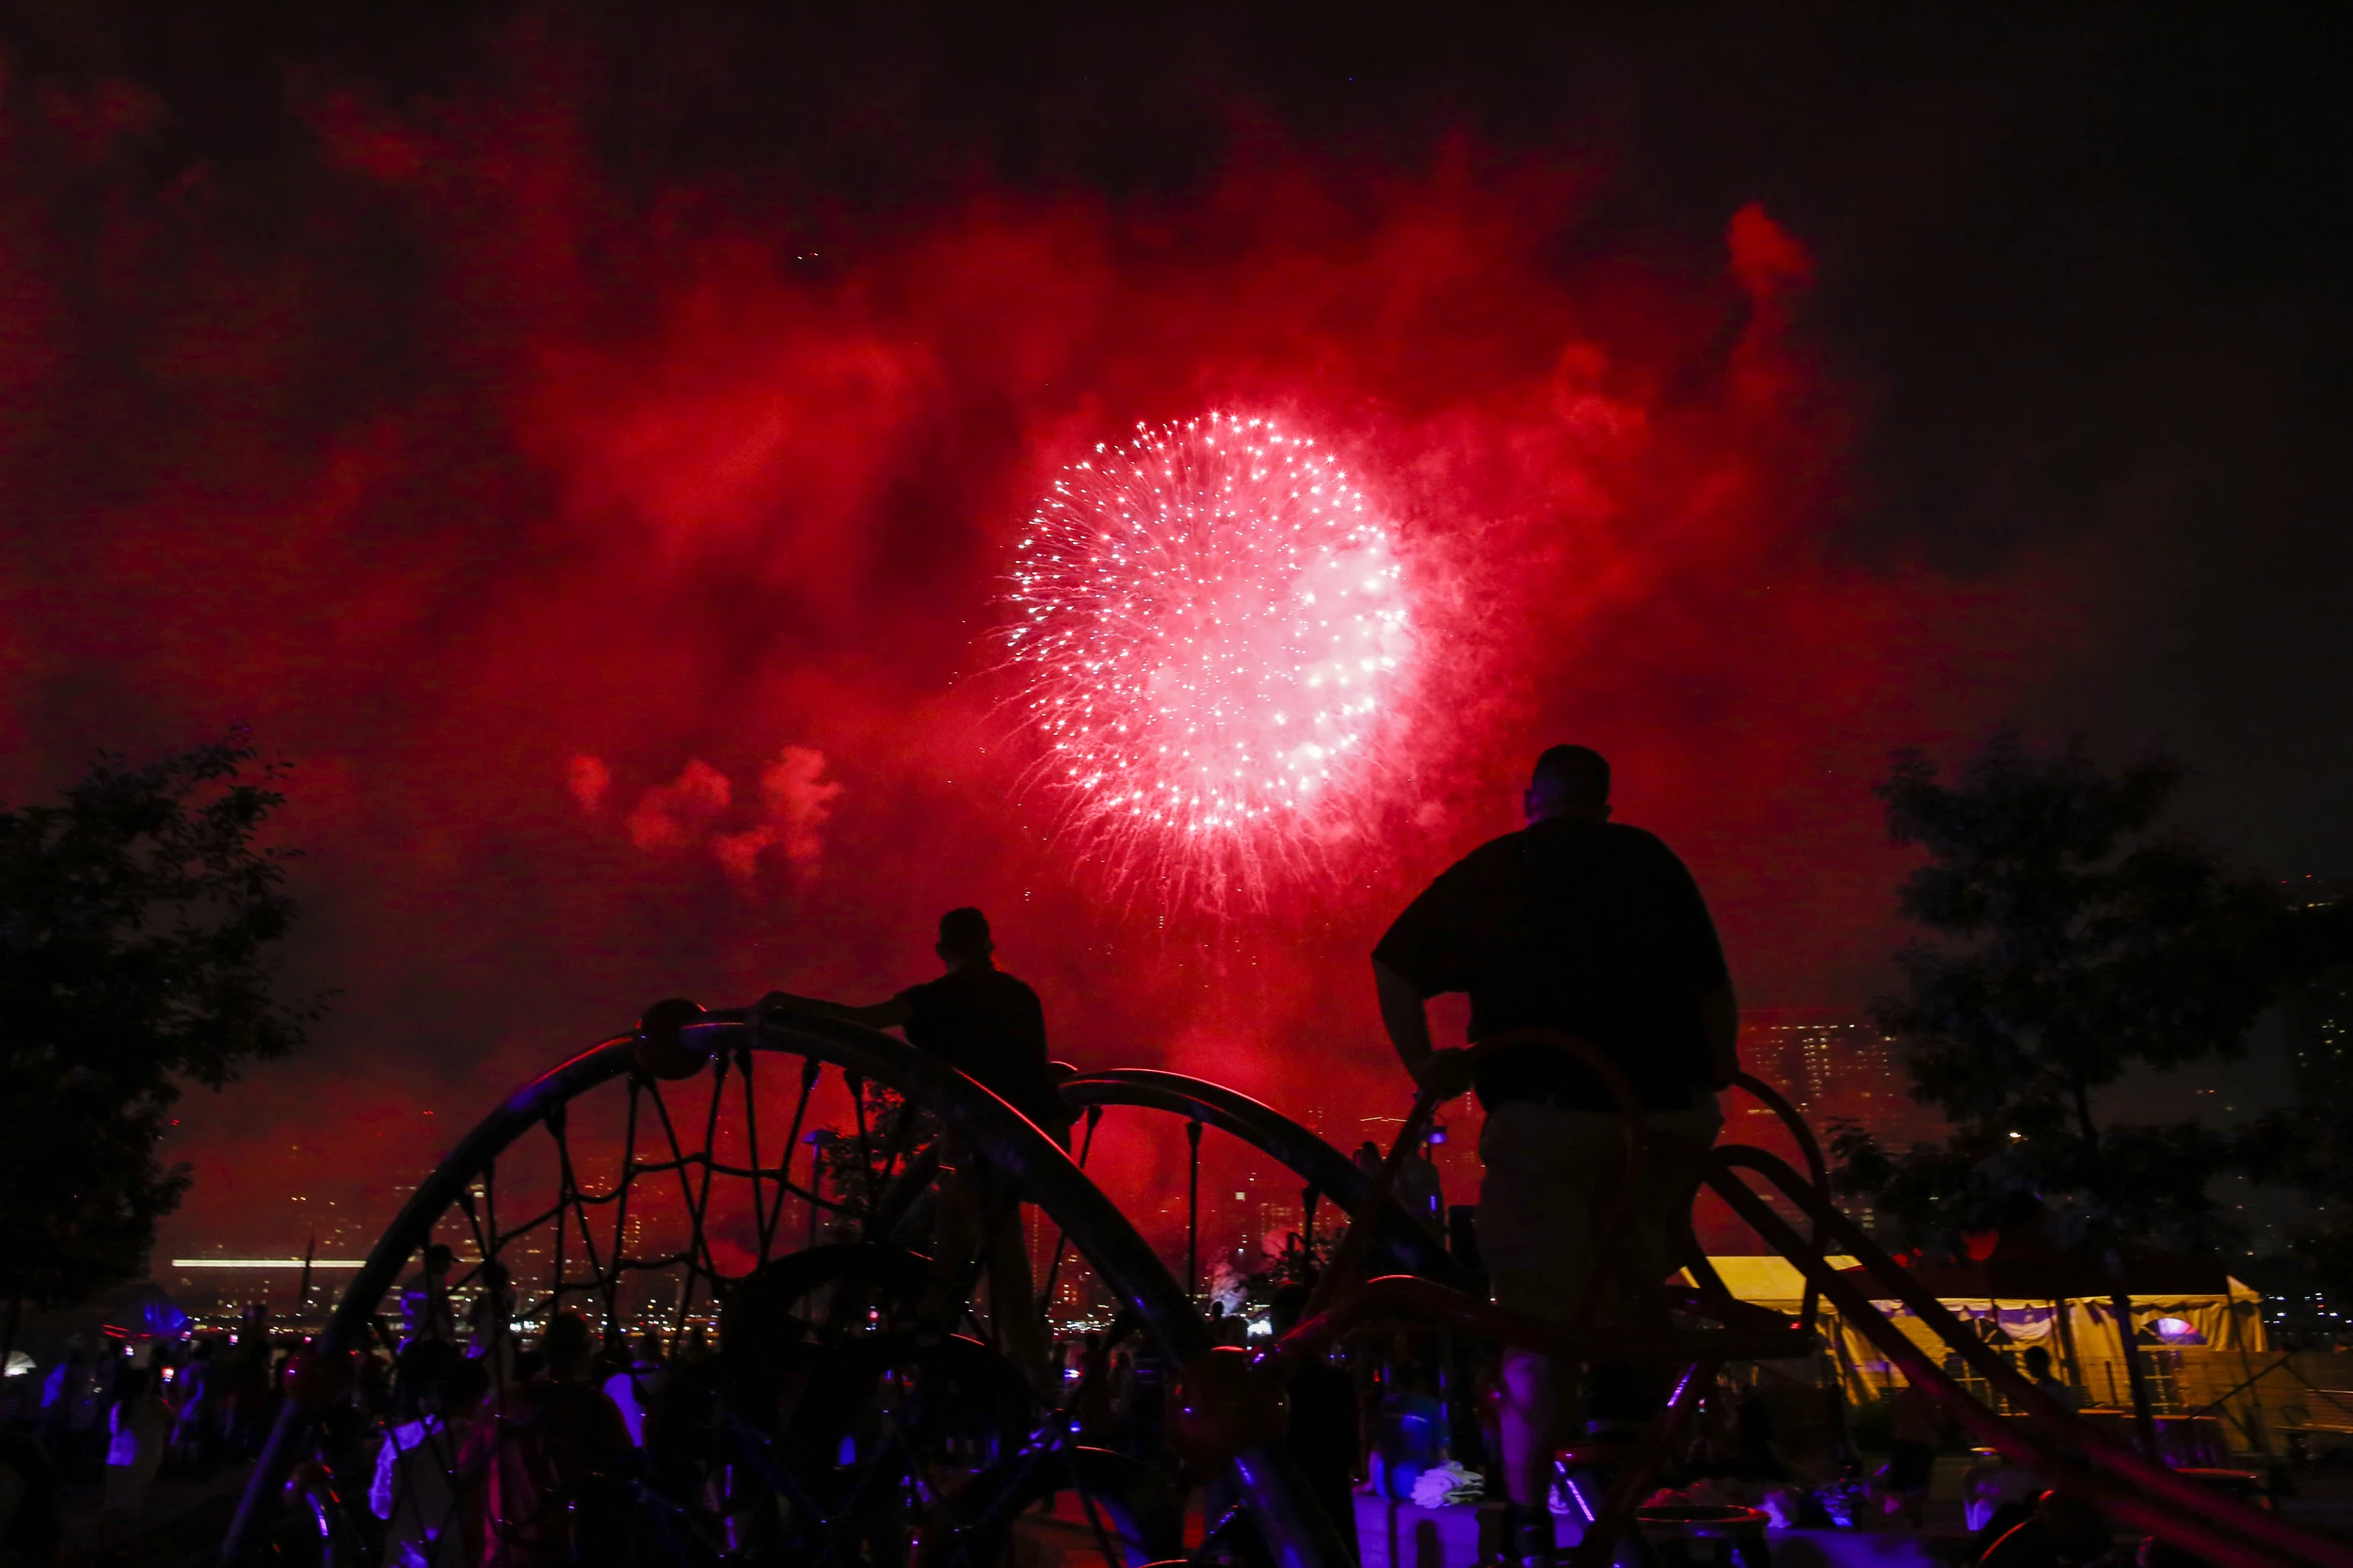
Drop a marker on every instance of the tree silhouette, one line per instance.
(858, 1169)
(2310, 1147)
(2068, 935)
(138, 919)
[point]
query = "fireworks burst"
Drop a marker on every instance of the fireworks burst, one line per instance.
(1210, 631)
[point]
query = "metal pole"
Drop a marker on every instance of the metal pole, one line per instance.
(816, 1140)
(2135, 1375)
(1193, 1211)
(1062, 1238)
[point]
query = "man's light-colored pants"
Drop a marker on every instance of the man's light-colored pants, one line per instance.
(978, 1219)
(1545, 1166)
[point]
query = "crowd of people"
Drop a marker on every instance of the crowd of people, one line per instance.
(529, 1468)
(122, 1412)
(131, 1410)
(484, 1446)
(472, 1446)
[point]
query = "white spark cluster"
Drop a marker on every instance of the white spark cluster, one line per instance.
(1207, 621)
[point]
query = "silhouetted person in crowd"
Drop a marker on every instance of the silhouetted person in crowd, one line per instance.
(1323, 1436)
(87, 1428)
(489, 1319)
(192, 1431)
(245, 1371)
(418, 1491)
(66, 1398)
(1097, 1415)
(1918, 1429)
(2036, 1363)
(633, 1383)
(990, 1027)
(1753, 1455)
(138, 1430)
(32, 1528)
(1579, 926)
(1225, 1327)
(426, 1312)
(1421, 1190)
(548, 1451)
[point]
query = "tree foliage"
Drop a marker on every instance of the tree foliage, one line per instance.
(2310, 1147)
(139, 919)
(857, 1174)
(2069, 935)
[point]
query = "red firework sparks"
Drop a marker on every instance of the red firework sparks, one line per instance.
(1211, 630)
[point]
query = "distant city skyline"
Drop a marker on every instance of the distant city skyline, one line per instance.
(1833, 1062)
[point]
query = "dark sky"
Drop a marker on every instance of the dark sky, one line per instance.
(471, 398)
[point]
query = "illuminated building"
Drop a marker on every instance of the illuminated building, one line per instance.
(1834, 1064)
(2316, 1016)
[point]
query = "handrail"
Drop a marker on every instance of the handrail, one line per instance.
(1809, 1146)
(1407, 1299)
(2255, 1539)
(1778, 1103)
(1264, 1127)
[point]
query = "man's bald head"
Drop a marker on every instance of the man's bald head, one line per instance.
(963, 938)
(1569, 781)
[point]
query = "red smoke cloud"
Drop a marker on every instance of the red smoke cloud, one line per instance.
(795, 798)
(617, 565)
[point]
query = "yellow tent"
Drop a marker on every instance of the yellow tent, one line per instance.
(2080, 1332)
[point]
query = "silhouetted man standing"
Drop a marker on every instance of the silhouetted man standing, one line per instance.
(990, 1027)
(1579, 926)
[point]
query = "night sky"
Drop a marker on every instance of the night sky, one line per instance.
(523, 418)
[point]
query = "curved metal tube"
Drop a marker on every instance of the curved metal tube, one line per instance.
(1808, 1145)
(347, 1328)
(1402, 1299)
(1275, 1135)
(1292, 1524)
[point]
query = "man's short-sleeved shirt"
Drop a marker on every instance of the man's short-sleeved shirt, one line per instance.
(1593, 929)
(988, 1026)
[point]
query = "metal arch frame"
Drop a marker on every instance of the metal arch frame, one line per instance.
(348, 1328)
(1292, 1524)
(1275, 1135)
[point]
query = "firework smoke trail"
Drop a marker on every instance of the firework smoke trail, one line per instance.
(1209, 632)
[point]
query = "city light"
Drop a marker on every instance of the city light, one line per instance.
(268, 1263)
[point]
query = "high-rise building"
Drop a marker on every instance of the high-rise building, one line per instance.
(1835, 1065)
(2316, 1016)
